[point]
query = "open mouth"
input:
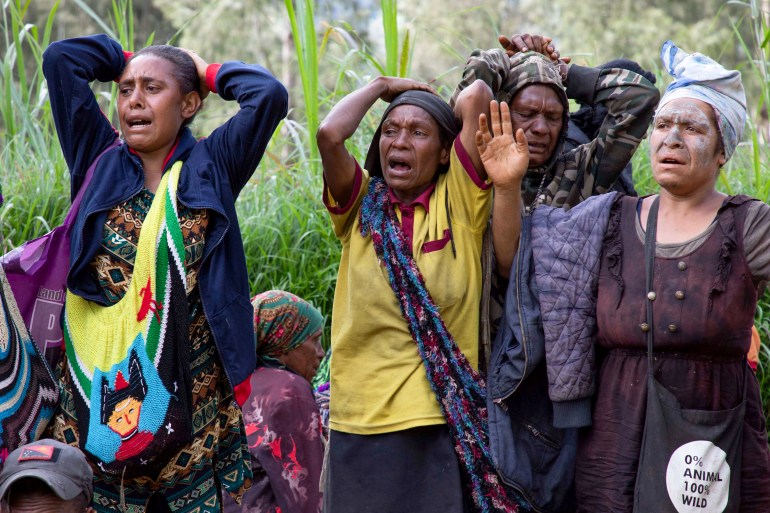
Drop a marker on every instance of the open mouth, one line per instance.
(134, 123)
(670, 160)
(399, 165)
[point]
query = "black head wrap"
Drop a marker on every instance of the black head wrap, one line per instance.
(429, 102)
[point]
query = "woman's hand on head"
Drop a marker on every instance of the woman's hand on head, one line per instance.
(531, 43)
(201, 66)
(505, 157)
(393, 86)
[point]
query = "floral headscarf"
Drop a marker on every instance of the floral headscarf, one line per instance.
(282, 322)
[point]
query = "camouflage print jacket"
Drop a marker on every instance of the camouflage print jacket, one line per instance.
(572, 176)
(569, 177)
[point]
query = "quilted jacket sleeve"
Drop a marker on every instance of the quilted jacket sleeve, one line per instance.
(567, 248)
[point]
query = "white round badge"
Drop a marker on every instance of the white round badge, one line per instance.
(698, 478)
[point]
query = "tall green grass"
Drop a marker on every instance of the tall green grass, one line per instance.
(396, 58)
(305, 42)
(29, 151)
(287, 236)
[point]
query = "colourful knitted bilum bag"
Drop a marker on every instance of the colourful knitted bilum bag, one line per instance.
(130, 362)
(28, 390)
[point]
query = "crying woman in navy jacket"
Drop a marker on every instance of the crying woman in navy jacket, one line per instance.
(206, 321)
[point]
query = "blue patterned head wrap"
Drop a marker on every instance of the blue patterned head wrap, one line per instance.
(702, 78)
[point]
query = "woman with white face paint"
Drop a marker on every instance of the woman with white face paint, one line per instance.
(677, 423)
(710, 254)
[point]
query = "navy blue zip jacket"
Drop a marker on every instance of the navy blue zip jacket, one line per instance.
(540, 383)
(214, 172)
(531, 455)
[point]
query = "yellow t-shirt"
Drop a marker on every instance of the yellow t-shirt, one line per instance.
(378, 380)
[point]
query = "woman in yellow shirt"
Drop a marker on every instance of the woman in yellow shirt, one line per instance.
(407, 400)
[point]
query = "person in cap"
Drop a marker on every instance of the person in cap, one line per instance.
(283, 423)
(406, 411)
(46, 476)
(529, 74)
(681, 427)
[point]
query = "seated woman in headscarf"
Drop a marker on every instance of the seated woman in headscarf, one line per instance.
(407, 412)
(283, 424)
(645, 447)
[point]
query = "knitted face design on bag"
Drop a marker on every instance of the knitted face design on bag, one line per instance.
(129, 361)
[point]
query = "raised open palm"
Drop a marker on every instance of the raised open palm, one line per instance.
(505, 158)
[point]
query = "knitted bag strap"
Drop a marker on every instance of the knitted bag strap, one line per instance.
(160, 250)
(459, 389)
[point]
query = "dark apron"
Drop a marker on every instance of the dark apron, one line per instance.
(690, 460)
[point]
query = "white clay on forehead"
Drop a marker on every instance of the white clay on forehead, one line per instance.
(678, 114)
(683, 111)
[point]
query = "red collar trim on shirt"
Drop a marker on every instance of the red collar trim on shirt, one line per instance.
(173, 149)
(423, 199)
(168, 157)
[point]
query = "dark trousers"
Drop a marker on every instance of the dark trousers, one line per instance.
(410, 470)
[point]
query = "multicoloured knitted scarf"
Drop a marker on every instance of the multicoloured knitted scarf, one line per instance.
(460, 390)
